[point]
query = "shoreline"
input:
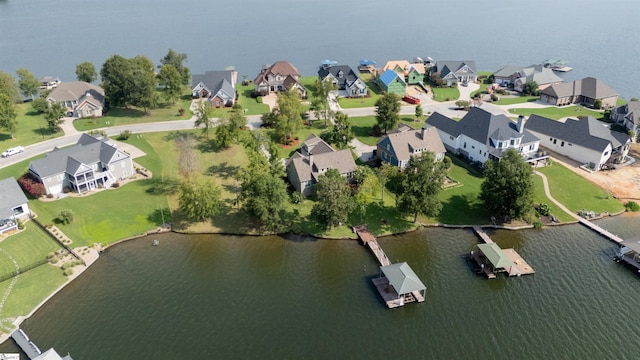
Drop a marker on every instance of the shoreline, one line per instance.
(92, 259)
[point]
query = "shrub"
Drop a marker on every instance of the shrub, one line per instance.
(494, 97)
(68, 272)
(537, 224)
(124, 135)
(181, 111)
(597, 104)
(543, 209)
(632, 206)
(96, 133)
(31, 185)
(115, 185)
(54, 260)
(40, 105)
(66, 216)
(296, 197)
(20, 224)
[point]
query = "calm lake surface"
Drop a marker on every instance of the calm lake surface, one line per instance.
(208, 296)
(598, 38)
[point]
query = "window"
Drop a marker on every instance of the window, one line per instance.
(562, 143)
(450, 137)
(606, 153)
(473, 146)
(18, 210)
(465, 145)
(554, 141)
(550, 139)
(512, 142)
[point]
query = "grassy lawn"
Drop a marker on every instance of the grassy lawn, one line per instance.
(539, 197)
(253, 105)
(31, 128)
(30, 289)
(516, 100)
(557, 113)
(577, 193)
(26, 247)
(445, 93)
(362, 125)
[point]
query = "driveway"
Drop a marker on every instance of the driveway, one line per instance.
(363, 151)
(465, 91)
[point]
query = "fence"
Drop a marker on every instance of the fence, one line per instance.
(22, 270)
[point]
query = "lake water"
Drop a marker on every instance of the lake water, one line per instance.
(596, 37)
(208, 296)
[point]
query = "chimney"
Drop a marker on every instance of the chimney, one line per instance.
(424, 130)
(311, 160)
(520, 125)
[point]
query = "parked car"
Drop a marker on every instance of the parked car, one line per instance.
(411, 100)
(13, 151)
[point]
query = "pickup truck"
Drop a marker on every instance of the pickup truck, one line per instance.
(13, 151)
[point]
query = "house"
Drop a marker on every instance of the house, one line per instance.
(219, 87)
(585, 140)
(411, 73)
(519, 76)
(452, 72)
(91, 163)
(80, 98)
(399, 146)
(344, 78)
(481, 135)
(627, 115)
(313, 159)
(49, 82)
(391, 82)
(13, 204)
(278, 77)
(585, 91)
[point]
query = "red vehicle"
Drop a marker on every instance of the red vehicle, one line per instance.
(411, 100)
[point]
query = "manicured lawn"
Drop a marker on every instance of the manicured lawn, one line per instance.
(362, 125)
(577, 193)
(31, 128)
(16, 170)
(445, 93)
(253, 105)
(29, 290)
(539, 197)
(557, 113)
(516, 100)
(27, 247)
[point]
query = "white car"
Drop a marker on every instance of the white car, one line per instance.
(13, 151)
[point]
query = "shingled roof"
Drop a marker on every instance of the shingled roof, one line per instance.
(404, 142)
(589, 87)
(11, 195)
(215, 81)
(283, 68)
(77, 91)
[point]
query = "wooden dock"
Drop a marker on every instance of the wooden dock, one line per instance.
(600, 230)
(475, 255)
(369, 240)
(28, 347)
(520, 267)
(482, 235)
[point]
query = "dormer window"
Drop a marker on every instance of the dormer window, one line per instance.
(340, 74)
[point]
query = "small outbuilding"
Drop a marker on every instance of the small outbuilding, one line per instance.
(399, 285)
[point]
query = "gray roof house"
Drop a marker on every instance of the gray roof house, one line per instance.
(13, 204)
(344, 78)
(452, 72)
(397, 147)
(519, 76)
(219, 87)
(585, 140)
(81, 99)
(481, 135)
(627, 115)
(584, 91)
(313, 159)
(91, 163)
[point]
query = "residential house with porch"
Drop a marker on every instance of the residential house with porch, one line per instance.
(584, 91)
(452, 72)
(81, 99)
(519, 76)
(89, 164)
(586, 140)
(313, 159)
(392, 82)
(344, 78)
(219, 87)
(397, 147)
(627, 115)
(411, 73)
(13, 205)
(278, 77)
(480, 136)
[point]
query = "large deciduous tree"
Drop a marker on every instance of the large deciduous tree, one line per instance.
(199, 197)
(170, 79)
(28, 83)
(340, 133)
(387, 111)
(9, 86)
(321, 90)
(288, 115)
(203, 117)
(334, 201)
(508, 188)
(177, 60)
(86, 71)
(129, 82)
(54, 116)
(7, 113)
(424, 177)
(264, 196)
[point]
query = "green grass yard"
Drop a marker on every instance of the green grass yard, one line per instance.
(31, 128)
(516, 100)
(558, 113)
(539, 197)
(26, 247)
(373, 90)
(443, 94)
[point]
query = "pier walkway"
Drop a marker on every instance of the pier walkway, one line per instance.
(28, 347)
(515, 264)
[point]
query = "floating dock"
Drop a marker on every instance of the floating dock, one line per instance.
(491, 259)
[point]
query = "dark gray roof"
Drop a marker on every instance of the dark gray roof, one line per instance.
(508, 71)
(586, 132)
(88, 150)
(589, 87)
(348, 75)
(215, 81)
(446, 67)
(11, 195)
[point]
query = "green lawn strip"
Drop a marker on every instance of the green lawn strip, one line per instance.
(285, 151)
(373, 91)
(31, 128)
(539, 197)
(254, 106)
(31, 288)
(17, 170)
(362, 125)
(445, 93)
(516, 100)
(557, 113)
(26, 247)
(577, 193)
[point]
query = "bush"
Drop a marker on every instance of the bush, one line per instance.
(54, 260)
(632, 206)
(68, 272)
(66, 216)
(537, 224)
(115, 185)
(40, 105)
(181, 111)
(494, 97)
(96, 133)
(124, 135)
(31, 185)
(20, 224)
(543, 209)
(296, 197)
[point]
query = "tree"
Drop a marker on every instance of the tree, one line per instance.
(54, 116)
(463, 104)
(177, 60)
(289, 115)
(387, 111)
(9, 86)
(7, 113)
(321, 90)
(436, 79)
(203, 117)
(265, 197)
(334, 202)
(340, 134)
(508, 188)
(199, 197)
(66, 216)
(86, 71)
(419, 112)
(40, 105)
(28, 83)
(129, 82)
(531, 88)
(421, 186)
(385, 172)
(597, 104)
(170, 79)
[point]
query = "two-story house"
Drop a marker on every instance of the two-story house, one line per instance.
(219, 87)
(397, 147)
(278, 77)
(344, 78)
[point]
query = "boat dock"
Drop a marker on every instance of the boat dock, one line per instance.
(498, 260)
(401, 272)
(28, 347)
(599, 230)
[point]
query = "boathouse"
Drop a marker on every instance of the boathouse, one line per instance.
(399, 285)
(492, 259)
(630, 252)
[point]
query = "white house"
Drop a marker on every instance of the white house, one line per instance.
(13, 204)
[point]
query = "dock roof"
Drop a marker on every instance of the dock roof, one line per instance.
(495, 255)
(633, 244)
(402, 278)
